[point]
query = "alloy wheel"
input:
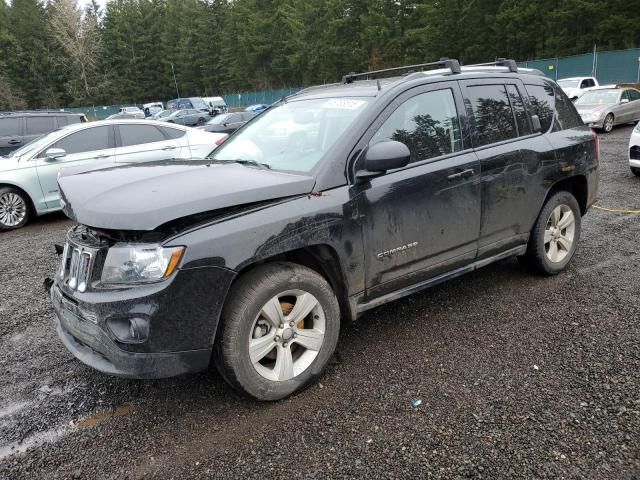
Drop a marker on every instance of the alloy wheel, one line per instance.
(13, 209)
(608, 123)
(559, 233)
(287, 335)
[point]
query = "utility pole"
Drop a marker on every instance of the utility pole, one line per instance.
(175, 81)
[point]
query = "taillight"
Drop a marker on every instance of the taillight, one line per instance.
(597, 140)
(221, 140)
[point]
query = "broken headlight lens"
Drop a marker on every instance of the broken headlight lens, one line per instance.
(140, 263)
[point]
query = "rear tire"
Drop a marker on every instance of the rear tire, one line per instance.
(555, 235)
(14, 209)
(635, 171)
(280, 327)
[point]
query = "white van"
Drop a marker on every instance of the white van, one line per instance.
(216, 104)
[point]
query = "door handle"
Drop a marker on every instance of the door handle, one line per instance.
(464, 173)
(169, 148)
(102, 156)
(14, 142)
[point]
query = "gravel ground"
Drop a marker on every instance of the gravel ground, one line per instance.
(519, 377)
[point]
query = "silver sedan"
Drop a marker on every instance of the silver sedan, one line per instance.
(605, 107)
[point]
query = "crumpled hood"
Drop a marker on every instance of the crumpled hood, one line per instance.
(145, 196)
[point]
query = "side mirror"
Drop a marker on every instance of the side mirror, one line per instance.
(54, 153)
(624, 100)
(535, 121)
(384, 156)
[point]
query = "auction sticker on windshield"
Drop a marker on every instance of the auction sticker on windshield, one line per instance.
(343, 103)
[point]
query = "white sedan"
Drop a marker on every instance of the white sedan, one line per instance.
(28, 176)
(634, 151)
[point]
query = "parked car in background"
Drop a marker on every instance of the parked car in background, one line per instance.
(161, 114)
(195, 103)
(216, 105)
(125, 116)
(19, 128)
(259, 108)
(605, 107)
(634, 151)
(134, 111)
(255, 259)
(575, 87)
(227, 122)
(28, 176)
(189, 117)
(152, 108)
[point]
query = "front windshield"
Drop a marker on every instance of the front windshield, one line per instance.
(568, 83)
(599, 97)
(33, 146)
(294, 135)
(164, 113)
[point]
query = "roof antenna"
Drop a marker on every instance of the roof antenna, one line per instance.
(378, 84)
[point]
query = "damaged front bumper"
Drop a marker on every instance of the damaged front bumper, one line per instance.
(180, 334)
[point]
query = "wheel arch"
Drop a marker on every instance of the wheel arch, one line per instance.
(30, 205)
(577, 185)
(321, 258)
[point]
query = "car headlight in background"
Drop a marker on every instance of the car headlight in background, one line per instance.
(140, 263)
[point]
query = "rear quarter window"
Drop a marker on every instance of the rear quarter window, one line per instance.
(566, 114)
(172, 133)
(543, 102)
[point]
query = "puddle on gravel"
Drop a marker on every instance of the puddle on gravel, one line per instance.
(101, 417)
(54, 435)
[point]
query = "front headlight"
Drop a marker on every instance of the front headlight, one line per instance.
(140, 263)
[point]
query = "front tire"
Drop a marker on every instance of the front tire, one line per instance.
(14, 209)
(555, 235)
(280, 327)
(607, 125)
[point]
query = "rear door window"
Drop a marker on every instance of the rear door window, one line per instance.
(543, 102)
(39, 125)
(494, 119)
(428, 124)
(89, 140)
(139, 134)
(634, 95)
(10, 127)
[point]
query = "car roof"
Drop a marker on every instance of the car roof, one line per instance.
(373, 88)
(574, 78)
(98, 123)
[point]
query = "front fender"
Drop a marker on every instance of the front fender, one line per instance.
(330, 218)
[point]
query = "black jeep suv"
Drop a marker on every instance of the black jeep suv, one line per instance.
(337, 200)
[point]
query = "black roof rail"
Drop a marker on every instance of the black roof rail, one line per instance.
(500, 62)
(450, 63)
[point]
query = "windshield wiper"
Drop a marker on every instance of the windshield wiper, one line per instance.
(264, 166)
